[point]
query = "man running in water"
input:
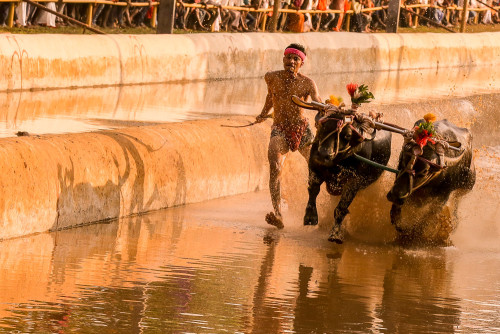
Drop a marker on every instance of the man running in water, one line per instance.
(290, 130)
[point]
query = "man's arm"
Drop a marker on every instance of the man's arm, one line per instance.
(266, 109)
(268, 105)
(314, 92)
(315, 97)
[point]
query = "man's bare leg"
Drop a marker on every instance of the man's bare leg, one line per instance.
(278, 149)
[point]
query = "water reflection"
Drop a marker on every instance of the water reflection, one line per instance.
(431, 306)
(265, 315)
(333, 309)
(88, 109)
(201, 269)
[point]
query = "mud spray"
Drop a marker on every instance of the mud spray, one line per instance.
(469, 219)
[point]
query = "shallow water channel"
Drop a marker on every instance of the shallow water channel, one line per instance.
(216, 267)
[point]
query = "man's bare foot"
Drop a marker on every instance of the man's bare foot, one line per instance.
(274, 220)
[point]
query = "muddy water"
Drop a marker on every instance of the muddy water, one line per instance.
(216, 267)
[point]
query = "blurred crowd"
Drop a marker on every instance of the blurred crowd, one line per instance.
(445, 12)
(214, 15)
(367, 15)
(103, 15)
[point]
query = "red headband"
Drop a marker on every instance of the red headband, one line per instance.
(299, 53)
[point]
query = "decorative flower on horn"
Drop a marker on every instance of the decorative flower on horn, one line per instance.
(425, 130)
(359, 94)
(335, 100)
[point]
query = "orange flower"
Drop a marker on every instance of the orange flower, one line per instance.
(335, 100)
(430, 117)
(351, 89)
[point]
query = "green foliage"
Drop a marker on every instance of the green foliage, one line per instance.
(427, 126)
(362, 95)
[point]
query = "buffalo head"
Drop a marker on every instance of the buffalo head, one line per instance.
(334, 139)
(415, 170)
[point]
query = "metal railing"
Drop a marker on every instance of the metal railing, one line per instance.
(153, 19)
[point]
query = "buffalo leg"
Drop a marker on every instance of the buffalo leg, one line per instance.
(342, 209)
(311, 215)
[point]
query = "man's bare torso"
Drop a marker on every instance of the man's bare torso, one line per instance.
(281, 86)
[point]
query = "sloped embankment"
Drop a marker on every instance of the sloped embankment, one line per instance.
(58, 181)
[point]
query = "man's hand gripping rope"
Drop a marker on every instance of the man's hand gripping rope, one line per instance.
(261, 118)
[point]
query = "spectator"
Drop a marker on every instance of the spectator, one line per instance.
(406, 17)
(438, 14)
(285, 4)
(201, 18)
(327, 18)
(357, 23)
(138, 15)
(4, 13)
(472, 14)
(234, 19)
(424, 10)
(342, 5)
(296, 21)
(115, 17)
(379, 16)
(495, 16)
(45, 18)
(248, 20)
(22, 13)
(450, 13)
(256, 4)
(315, 18)
(367, 16)
(97, 13)
(487, 18)
(181, 14)
(307, 5)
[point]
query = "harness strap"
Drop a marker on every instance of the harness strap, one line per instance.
(337, 130)
(356, 131)
(411, 171)
(427, 179)
(340, 125)
(432, 164)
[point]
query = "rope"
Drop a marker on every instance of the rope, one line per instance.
(496, 10)
(429, 20)
(375, 164)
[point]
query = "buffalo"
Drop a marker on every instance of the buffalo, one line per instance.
(339, 142)
(426, 180)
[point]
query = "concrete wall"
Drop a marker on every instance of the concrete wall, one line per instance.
(53, 182)
(55, 61)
